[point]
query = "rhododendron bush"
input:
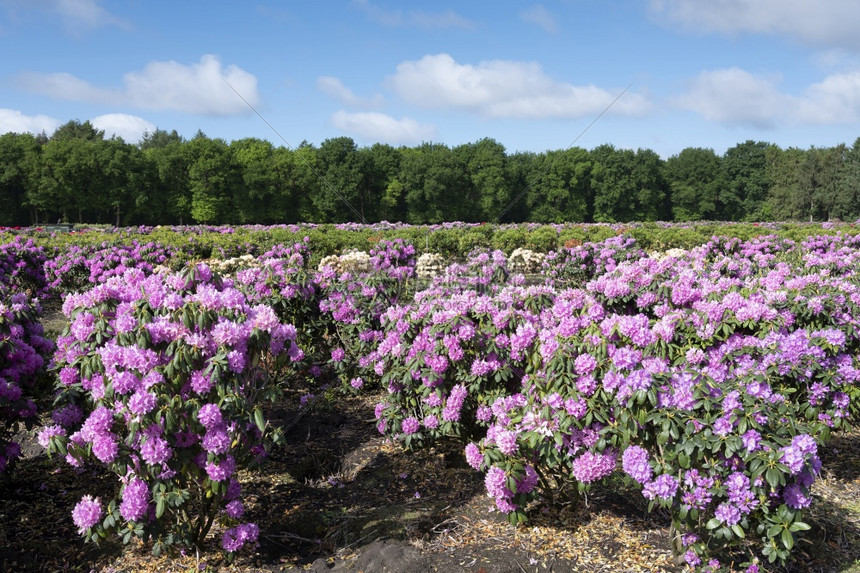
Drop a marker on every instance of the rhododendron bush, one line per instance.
(709, 378)
(78, 267)
(160, 379)
(23, 352)
(281, 279)
(23, 347)
(353, 298)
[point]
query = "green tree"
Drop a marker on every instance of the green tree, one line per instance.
(159, 139)
(745, 185)
(257, 198)
(75, 129)
(559, 186)
(18, 153)
(785, 196)
(846, 205)
(127, 181)
(167, 199)
(381, 164)
(522, 170)
(68, 178)
(343, 195)
(487, 186)
(628, 185)
(693, 178)
(823, 167)
(213, 179)
(432, 176)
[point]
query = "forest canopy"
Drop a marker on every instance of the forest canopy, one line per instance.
(76, 175)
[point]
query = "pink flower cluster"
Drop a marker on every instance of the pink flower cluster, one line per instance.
(153, 376)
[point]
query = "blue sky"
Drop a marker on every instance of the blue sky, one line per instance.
(533, 76)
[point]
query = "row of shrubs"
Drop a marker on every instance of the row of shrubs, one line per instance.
(709, 377)
(451, 240)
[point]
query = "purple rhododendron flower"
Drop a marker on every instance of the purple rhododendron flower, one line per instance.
(235, 538)
(474, 457)
(528, 482)
(410, 425)
(635, 464)
(592, 466)
(692, 558)
(221, 471)
(795, 497)
(105, 447)
(142, 402)
(209, 415)
(235, 509)
(135, 500)
(728, 513)
(87, 513)
(155, 450)
(506, 441)
(216, 440)
(496, 482)
(664, 487)
(49, 432)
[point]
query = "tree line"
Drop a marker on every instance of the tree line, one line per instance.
(77, 175)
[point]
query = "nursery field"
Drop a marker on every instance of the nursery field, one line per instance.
(449, 398)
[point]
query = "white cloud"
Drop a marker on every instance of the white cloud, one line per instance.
(379, 127)
(66, 86)
(446, 19)
(129, 127)
(84, 15)
(200, 88)
(538, 15)
(335, 89)
(824, 22)
(834, 100)
(78, 17)
(14, 121)
(735, 96)
(397, 18)
(503, 89)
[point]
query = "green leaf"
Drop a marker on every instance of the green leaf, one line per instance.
(738, 530)
(787, 539)
(773, 477)
(799, 526)
(258, 419)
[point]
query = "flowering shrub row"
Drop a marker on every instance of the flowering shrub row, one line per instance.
(22, 267)
(23, 347)
(709, 379)
(23, 352)
(160, 380)
(352, 303)
(77, 268)
(450, 239)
